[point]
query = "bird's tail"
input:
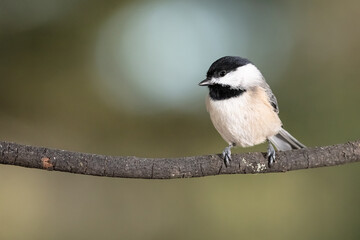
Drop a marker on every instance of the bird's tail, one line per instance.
(283, 141)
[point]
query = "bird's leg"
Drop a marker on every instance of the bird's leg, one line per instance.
(271, 154)
(227, 154)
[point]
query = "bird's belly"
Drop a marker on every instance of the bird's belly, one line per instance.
(243, 120)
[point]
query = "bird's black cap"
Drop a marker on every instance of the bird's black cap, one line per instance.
(228, 63)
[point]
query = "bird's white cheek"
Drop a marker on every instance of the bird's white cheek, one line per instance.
(250, 76)
(231, 80)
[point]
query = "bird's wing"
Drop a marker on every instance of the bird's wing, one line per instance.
(273, 101)
(271, 97)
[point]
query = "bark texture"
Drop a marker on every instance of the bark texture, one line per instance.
(183, 167)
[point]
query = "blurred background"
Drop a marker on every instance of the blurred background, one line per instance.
(120, 78)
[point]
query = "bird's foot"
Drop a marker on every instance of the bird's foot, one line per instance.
(271, 154)
(227, 155)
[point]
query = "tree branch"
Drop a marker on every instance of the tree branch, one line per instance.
(164, 168)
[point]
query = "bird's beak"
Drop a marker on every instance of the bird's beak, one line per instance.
(205, 82)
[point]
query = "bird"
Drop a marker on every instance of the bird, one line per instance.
(243, 109)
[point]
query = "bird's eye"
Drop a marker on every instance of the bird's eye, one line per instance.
(222, 73)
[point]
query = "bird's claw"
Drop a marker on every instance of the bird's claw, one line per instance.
(271, 155)
(227, 156)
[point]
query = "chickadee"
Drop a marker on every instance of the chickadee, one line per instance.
(243, 108)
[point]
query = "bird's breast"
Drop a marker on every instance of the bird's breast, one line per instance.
(245, 120)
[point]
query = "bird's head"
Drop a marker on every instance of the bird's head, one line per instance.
(233, 73)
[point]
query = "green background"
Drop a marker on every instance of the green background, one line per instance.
(51, 95)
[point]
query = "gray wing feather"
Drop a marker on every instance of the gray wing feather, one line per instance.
(271, 97)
